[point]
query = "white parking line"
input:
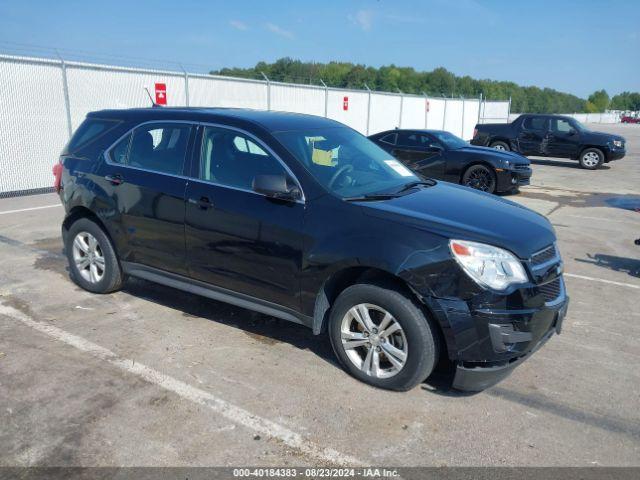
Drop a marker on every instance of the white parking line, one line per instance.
(6, 212)
(602, 280)
(236, 414)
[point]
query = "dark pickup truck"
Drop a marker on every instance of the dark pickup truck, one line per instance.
(551, 136)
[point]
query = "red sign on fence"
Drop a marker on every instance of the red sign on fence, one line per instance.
(345, 103)
(161, 93)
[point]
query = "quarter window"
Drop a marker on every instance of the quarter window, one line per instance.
(389, 138)
(118, 153)
(231, 159)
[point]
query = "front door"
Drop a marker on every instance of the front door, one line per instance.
(144, 175)
(564, 139)
(532, 137)
(420, 153)
(238, 239)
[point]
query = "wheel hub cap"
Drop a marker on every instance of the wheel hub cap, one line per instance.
(88, 257)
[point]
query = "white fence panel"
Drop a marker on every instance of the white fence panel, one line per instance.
(470, 118)
(93, 89)
(494, 112)
(33, 124)
(453, 116)
(435, 115)
(355, 115)
(287, 98)
(413, 112)
(208, 91)
(385, 112)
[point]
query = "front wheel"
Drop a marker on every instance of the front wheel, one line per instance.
(481, 178)
(382, 337)
(591, 158)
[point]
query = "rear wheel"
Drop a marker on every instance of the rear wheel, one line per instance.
(382, 337)
(92, 259)
(591, 158)
(480, 177)
(498, 145)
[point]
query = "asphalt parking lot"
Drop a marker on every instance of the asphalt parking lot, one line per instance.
(152, 376)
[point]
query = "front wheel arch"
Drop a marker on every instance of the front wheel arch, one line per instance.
(491, 168)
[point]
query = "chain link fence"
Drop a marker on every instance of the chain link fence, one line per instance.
(44, 101)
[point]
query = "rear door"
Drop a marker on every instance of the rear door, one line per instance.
(564, 139)
(144, 174)
(238, 239)
(532, 136)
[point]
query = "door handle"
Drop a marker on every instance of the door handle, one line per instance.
(114, 179)
(203, 202)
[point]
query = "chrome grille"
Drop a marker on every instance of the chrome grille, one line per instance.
(523, 166)
(550, 291)
(544, 256)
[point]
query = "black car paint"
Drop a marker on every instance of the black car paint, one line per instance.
(546, 142)
(449, 164)
(291, 259)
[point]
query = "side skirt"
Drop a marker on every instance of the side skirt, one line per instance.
(215, 293)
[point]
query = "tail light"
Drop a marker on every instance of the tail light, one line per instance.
(57, 173)
(475, 132)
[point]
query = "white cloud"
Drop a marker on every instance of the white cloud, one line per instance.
(279, 31)
(238, 25)
(363, 18)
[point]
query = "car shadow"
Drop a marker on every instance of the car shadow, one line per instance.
(259, 327)
(617, 264)
(561, 163)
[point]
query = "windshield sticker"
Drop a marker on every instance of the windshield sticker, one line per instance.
(399, 168)
(322, 157)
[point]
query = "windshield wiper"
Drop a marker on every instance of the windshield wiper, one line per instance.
(410, 185)
(370, 197)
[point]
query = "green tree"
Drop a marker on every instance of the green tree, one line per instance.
(598, 101)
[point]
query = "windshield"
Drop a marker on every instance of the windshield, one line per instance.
(345, 162)
(449, 140)
(579, 126)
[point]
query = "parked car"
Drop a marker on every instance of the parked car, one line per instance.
(443, 156)
(304, 219)
(551, 136)
(629, 119)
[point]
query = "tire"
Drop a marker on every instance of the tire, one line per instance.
(591, 158)
(103, 273)
(416, 337)
(480, 177)
(498, 145)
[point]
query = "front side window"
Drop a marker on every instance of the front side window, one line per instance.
(232, 159)
(561, 126)
(345, 162)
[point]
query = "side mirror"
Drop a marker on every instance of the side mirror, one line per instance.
(572, 132)
(275, 186)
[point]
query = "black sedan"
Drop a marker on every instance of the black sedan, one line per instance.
(441, 155)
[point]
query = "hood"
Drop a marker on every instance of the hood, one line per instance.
(603, 137)
(513, 157)
(459, 212)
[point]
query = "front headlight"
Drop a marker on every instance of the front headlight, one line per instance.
(617, 143)
(488, 266)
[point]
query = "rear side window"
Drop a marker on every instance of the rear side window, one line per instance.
(89, 130)
(160, 147)
(535, 123)
(389, 138)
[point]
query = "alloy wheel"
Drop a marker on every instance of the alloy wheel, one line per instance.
(480, 179)
(499, 147)
(590, 159)
(88, 257)
(374, 341)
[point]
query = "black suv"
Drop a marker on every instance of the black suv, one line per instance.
(304, 219)
(551, 136)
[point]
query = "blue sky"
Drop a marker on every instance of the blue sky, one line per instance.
(574, 46)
